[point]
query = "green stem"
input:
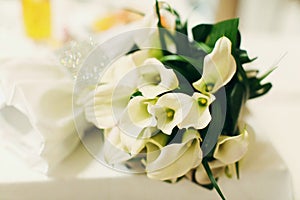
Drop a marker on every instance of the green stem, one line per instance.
(160, 28)
(237, 169)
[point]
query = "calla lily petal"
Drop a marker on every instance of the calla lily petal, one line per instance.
(156, 78)
(175, 160)
(199, 115)
(170, 110)
(118, 69)
(119, 147)
(136, 117)
(108, 104)
(231, 149)
(124, 142)
(218, 68)
(98, 110)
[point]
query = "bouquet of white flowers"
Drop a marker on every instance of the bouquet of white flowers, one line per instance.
(169, 102)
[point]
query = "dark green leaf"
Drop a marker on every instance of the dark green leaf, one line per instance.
(189, 71)
(135, 94)
(238, 39)
(237, 99)
(201, 32)
(212, 178)
(228, 28)
(263, 89)
(267, 74)
(243, 56)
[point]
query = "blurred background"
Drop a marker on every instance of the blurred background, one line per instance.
(77, 16)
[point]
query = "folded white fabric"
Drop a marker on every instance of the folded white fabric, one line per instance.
(36, 114)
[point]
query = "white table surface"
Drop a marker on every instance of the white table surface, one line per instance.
(276, 114)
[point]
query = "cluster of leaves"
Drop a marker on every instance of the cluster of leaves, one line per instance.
(188, 62)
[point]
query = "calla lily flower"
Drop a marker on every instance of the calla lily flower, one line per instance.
(120, 147)
(170, 110)
(174, 160)
(109, 102)
(218, 68)
(199, 115)
(137, 117)
(228, 151)
(156, 79)
(231, 149)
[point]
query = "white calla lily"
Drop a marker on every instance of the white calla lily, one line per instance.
(199, 115)
(156, 79)
(218, 68)
(98, 110)
(174, 160)
(108, 104)
(170, 110)
(136, 117)
(231, 149)
(120, 147)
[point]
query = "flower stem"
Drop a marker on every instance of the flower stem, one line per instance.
(160, 28)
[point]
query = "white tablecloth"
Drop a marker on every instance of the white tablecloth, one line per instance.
(82, 177)
(275, 116)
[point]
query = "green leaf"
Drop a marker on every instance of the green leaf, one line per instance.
(212, 178)
(201, 32)
(236, 101)
(267, 74)
(190, 68)
(204, 47)
(209, 34)
(196, 63)
(238, 39)
(243, 56)
(228, 28)
(261, 90)
(135, 94)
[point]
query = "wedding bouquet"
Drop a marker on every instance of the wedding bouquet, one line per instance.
(170, 105)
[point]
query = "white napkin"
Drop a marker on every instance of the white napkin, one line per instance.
(36, 114)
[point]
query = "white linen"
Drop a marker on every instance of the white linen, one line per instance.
(37, 111)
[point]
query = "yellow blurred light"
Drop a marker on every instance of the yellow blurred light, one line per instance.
(37, 18)
(111, 20)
